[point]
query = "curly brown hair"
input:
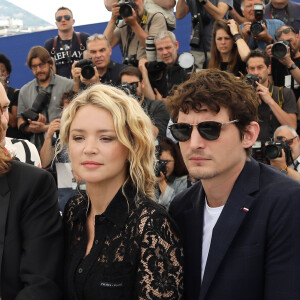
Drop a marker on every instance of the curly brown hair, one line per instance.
(216, 89)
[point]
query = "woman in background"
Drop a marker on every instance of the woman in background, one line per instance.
(119, 243)
(228, 48)
(173, 178)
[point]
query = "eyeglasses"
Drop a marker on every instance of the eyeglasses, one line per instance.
(66, 17)
(286, 31)
(290, 141)
(209, 130)
(41, 66)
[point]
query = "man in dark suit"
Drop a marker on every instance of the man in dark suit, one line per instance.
(241, 223)
(31, 239)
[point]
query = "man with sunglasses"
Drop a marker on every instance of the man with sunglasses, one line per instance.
(69, 45)
(240, 224)
(289, 75)
(288, 135)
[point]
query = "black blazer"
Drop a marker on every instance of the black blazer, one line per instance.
(255, 247)
(31, 240)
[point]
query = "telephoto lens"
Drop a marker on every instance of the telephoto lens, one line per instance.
(150, 48)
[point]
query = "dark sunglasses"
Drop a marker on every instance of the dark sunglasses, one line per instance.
(66, 17)
(286, 31)
(289, 142)
(209, 130)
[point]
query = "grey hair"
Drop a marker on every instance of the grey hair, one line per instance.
(293, 131)
(165, 34)
(99, 37)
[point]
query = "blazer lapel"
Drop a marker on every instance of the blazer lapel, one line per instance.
(193, 248)
(4, 204)
(230, 220)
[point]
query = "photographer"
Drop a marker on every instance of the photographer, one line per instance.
(57, 161)
(132, 80)
(136, 26)
(287, 51)
(99, 68)
(159, 86)
(290, 137)
(285, 10)
(257, 32)
(277, 105)
(172, 175)
(203, 13)
(46, 87)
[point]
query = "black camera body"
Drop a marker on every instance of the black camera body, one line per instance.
(126, 8)
(161, 166)
(155, 70)
(40, 102)
(129, 88)
(131, 60)
(87, 68)
(274, 149)
(256, 27)
(252, 79)
(280, 49)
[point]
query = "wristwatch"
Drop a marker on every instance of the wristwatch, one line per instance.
(285, 171)
(292, 67)
(236, 37)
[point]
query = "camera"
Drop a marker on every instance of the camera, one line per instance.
(126, 8)
(273, 150)
(195, 37)
(155, 69)
(129, 88)
(161, 167)
(131, 60)
(40, 102)
(280, 49)
(256, 27)
(252, 79)
(87, 68)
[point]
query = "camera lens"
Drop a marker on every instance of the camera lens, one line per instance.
(125, 11)
(87, 72)
(256, 28)
(272, 151)
(279, 50)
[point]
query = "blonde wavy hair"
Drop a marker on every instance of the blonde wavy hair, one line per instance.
(133, 129)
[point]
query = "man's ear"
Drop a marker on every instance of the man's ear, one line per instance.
(250, 134)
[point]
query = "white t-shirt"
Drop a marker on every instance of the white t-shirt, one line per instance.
(23, 150)
(211, 216)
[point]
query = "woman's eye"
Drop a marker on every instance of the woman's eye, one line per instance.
(77, 138)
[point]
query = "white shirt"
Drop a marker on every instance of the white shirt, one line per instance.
(23, 150)
(211, 216)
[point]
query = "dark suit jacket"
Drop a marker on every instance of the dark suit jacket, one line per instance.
(255, 247)
(31, 245)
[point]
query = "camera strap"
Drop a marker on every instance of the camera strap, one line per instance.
(288, 13)
(280, 95)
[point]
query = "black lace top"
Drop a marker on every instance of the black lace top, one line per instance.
(136, 252)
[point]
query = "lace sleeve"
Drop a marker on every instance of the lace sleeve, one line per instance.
(160, 274)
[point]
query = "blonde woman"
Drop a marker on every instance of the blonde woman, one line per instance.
(120, 244)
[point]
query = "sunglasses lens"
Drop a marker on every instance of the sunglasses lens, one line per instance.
(58, 19)
(181, 132)
(67, 17)
(209, 130)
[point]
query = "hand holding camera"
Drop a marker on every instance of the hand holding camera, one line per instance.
(84, 71)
